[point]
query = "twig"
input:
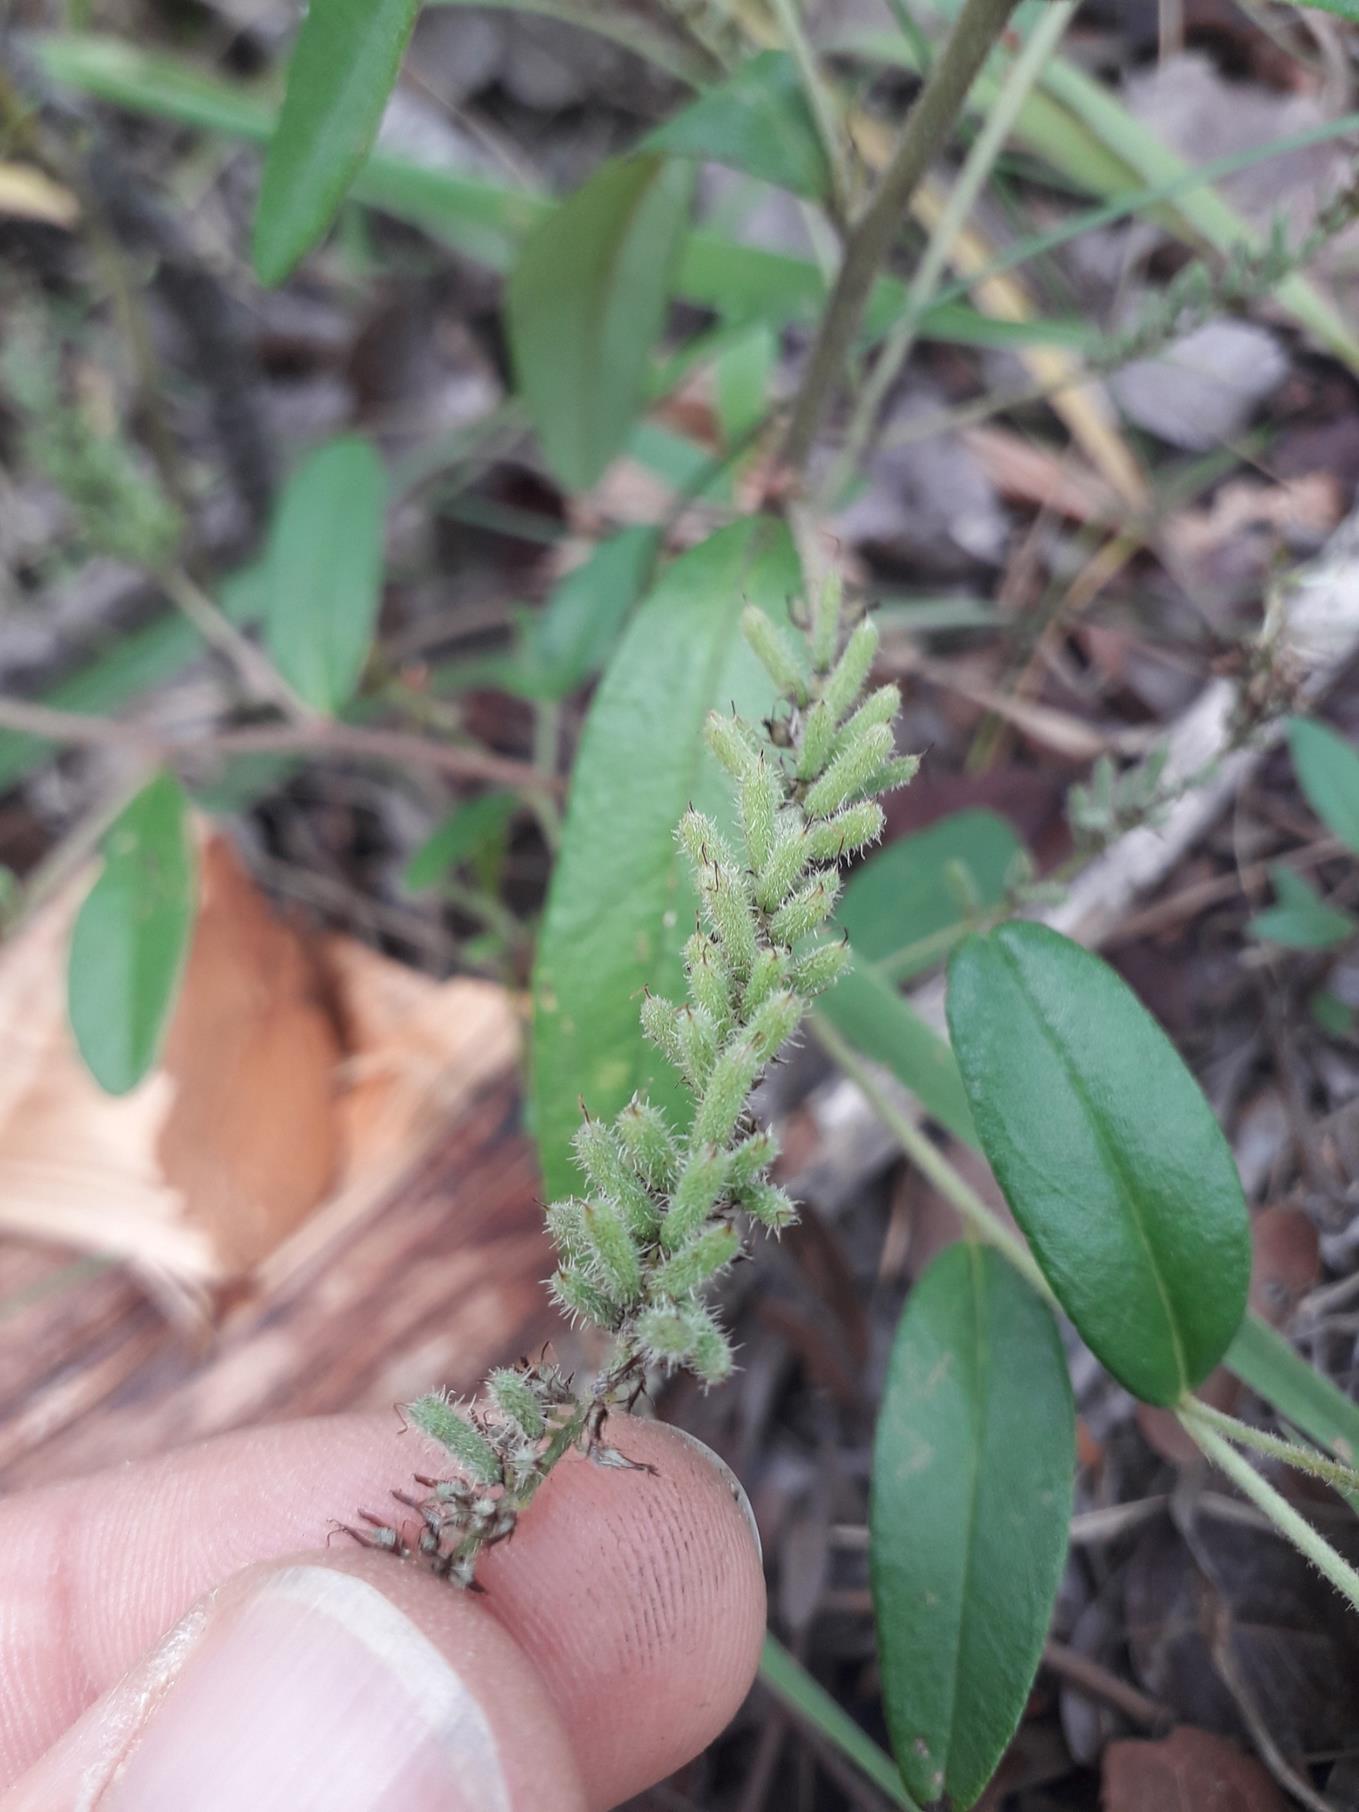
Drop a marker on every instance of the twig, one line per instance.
(1093, 1681)
(789, 15)
(978, 26)
(252, 666)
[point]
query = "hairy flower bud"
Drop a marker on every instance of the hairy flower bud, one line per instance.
(851, 671)
(513, 1397)
(821, 968)
(750, 1159)
(697, 1192)
(579, 1299)
(730, 742)
(818, 740)
(851, 773)
(649, 1143)
(698, 1045)
(600, 1154)
(566, 1224)
(836, 838)
(761, 797)
(767, 1203)
(724, 1099)
(709, 979)
(693, 1264)
(614, 1261)
(788, 859)
(660, 1027)
(775, 654)
(825, 627)
(808, 909)
(769, 973)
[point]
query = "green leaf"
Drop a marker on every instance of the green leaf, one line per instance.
(1302, 920)
(131, 937)
(571, 638)
(901, 905)
(325, 571)
(973, 1466)
(868, 1012)
(1268, 1365)
(742, 378)
(1107, 1152)
(620, 905)
(467, 832)
(1328, 773)
(585, 303)
(790, 1682)
(757, 121)
(341, 74)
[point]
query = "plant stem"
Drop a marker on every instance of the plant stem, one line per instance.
(789, 15)
(252, 666)
(1304, 1459)
(1024, 72)
(1275, 1506)
(979, 1215)
(978, 26)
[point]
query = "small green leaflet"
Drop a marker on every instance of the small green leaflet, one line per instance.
(757, 121)
(341, 74)
(620, 906)
(973, 1465)
(131, 938)
(1107, 1152)
(473, 830)
(900, 906)
(1301, 920)
(325, 571)
(584, 305)
(1328, 773)
(742, 378)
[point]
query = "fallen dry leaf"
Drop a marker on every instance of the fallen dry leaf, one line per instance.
(1188, 1771)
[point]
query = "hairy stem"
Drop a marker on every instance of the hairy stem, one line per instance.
(931, 120)
(1303, 1459)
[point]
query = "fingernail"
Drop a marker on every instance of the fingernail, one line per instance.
(729, 1479)
(314, 1692)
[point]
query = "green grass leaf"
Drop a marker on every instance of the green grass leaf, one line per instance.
(342, 71)
(1268, 1365)
(973, 1466)
(1107, 1152)
(131, 938)
(1301, 920)
(470, 831)
(568, 642)
(1328, 773)
(868, 1012)
(620, 904)
(325, 571)
(757, 121)
(584, 306)
(900, 906)
(790, 1682)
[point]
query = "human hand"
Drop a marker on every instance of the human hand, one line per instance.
(619, 1631)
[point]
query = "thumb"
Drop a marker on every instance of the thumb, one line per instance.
(346, 1682)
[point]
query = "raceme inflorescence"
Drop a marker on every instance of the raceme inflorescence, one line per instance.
(665, 1211)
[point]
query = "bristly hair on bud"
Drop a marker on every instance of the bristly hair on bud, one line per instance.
(663, 1212)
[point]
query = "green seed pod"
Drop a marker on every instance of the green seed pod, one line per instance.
(880, 707)
(600, 1154)
(666, 1336)
(566, 1225)
(846, 682)
(771, 1206)
(787, 862)
(807, 909)
(729, 741)
(750, 1158)
(821, 968)
(709, 981)
(851, 774)
(825, 630)
(761, 797)
(698, 1046)
(614, 1262)
(899, 772)
(770, 972)
(435, 1416)
(710, 1358)
(513, 1396)
(660, 1027)
(726, 901)
(724, 1099)
(697, 1193)
(581, 1300)
(818, 740)
(649, 1143)
(695, 1262)
(774, 1023)
(851, 829)
(703, 844)
(775, 653)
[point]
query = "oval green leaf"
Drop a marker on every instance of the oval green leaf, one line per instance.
(585, 303)
(325, 571)
(342, 71)
(1328, 773)
(1301, 920)
(973, 1465)
(620, 904)
(1107, 1152)
(758, 121)
(131, 938)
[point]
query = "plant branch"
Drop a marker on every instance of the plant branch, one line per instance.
(1303, 1459)
(789, 16)
(252, 666)
(978, 27)
(931, 1162)
(1275, 1506)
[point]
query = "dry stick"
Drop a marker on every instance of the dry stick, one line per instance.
(321, 736)
(978, 27)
